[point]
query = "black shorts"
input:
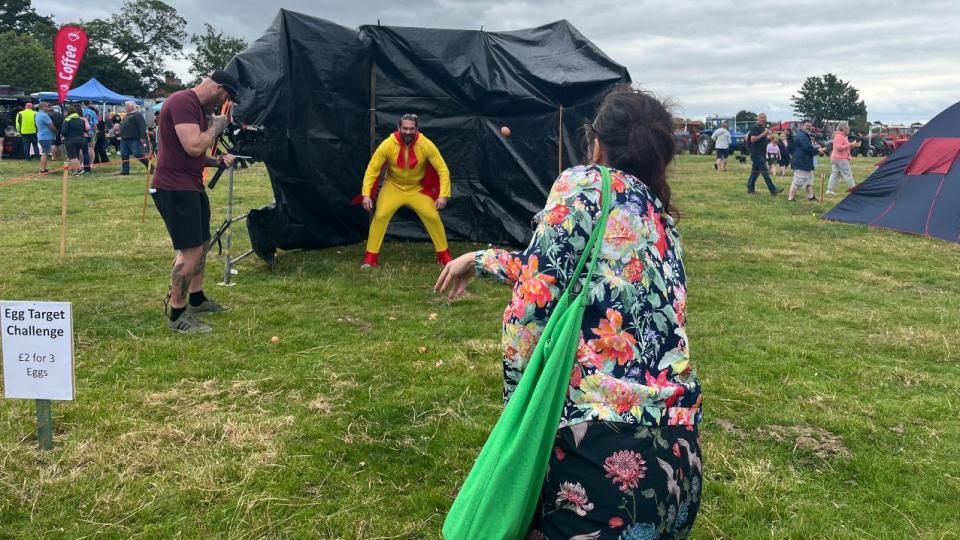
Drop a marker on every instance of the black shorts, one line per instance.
(74, 147)
(723, 153)
(186, 215)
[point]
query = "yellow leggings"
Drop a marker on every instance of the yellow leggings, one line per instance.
(390, 200)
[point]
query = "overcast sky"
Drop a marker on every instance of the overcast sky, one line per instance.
(709, 57)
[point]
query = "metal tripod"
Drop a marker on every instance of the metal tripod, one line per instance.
(224, 232)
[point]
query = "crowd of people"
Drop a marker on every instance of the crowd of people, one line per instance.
(82, 136)
(772, 153)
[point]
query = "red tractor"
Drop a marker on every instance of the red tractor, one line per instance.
(883, 140)
(896, 136)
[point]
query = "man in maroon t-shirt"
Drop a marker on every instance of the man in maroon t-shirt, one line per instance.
(179, 194)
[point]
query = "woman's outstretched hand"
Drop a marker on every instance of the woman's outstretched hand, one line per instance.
(456, 275)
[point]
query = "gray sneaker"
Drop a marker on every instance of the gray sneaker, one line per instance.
(187, 323)
(208, 306)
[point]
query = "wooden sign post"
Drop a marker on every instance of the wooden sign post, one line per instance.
(37, 343)
(63, 212)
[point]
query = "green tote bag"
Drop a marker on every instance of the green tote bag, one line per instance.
(500, 494)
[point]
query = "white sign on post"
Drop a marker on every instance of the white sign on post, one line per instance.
(37, 343)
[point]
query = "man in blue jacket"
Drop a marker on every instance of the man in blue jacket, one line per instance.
(804, 150)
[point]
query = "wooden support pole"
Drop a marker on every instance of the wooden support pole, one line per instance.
(63, 212)
(373, 106)
(146, 191)
(821, 187)
(560, 149)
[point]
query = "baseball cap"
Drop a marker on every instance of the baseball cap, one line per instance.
(228, 82)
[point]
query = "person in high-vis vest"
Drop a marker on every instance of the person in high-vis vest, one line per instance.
(27, 128)
(416, 177)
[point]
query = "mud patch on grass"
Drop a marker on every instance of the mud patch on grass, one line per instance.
(815, 440)
(807, 439)
(731, 428)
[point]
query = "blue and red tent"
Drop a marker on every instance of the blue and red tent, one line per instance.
(917, 189)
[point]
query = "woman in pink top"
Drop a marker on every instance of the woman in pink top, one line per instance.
(840, 158)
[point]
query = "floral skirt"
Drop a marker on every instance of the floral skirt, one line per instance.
(620, 481)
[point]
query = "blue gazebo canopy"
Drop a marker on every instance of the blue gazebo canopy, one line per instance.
(91, 90)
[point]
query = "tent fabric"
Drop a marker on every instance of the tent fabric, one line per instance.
(926, 203)
(317, 88)
(92, 90)
(936, 155)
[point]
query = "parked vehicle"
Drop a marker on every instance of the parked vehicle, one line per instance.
(738, 132)
(896, 136)
(883, 140)
(683, 142)
(873, 146)
(10, 105)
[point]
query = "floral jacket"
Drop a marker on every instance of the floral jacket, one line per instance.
(633, 363)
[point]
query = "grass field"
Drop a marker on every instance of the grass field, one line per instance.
(829, 355)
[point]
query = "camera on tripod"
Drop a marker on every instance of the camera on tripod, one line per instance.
(241, 140)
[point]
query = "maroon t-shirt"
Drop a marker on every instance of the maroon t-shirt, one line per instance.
(176, 169)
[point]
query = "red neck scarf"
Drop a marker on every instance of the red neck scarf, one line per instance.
(430, 181)
(411, 159)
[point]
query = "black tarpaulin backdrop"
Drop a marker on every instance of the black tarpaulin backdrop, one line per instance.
(308, 81)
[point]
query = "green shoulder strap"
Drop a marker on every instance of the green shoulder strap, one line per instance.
(500, 494)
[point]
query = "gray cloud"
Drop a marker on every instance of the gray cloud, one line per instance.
(710, 57)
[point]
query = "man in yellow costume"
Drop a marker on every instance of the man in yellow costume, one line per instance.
(416, 177)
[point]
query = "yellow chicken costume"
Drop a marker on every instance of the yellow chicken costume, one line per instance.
(416, 176)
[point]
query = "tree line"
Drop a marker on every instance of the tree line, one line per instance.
(824, 98)
(126, 51)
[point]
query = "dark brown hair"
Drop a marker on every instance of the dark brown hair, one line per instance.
(636, 132)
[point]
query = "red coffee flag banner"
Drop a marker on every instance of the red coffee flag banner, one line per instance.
(68, 50)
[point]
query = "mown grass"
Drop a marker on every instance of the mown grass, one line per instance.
(829, 353)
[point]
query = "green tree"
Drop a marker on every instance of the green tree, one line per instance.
(746, 116)
(213, 51)
(139, 37)
(829, 98)
(109, 71)
(20, 17)
(26, 63)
